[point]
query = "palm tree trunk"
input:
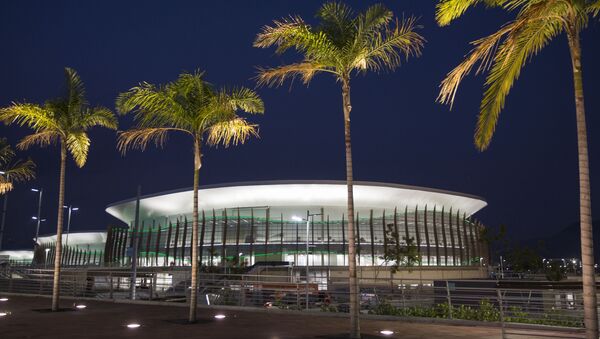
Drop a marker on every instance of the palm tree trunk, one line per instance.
(194, 284)
(59, 226)
(353, 283)
(585, 210)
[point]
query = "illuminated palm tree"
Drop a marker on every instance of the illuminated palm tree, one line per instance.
(11, 171)
(64, 121)
(191, 106)
(503, 54)
(342, 44)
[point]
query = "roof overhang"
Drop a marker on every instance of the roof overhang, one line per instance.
(294, 193)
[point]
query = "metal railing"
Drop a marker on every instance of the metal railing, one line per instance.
(475, 300)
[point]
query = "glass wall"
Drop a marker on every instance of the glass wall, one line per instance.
(245, 236)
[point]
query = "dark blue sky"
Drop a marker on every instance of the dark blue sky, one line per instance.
(400, 135)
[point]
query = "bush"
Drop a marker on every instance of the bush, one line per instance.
(485, 311)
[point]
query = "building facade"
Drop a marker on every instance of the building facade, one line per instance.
(295, 221)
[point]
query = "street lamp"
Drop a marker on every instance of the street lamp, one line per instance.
(297, 218)
(39, 212)
(71, 209)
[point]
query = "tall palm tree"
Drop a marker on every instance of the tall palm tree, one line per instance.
(63, 121)
(12, 171)
(191, 106)
(343, 44)
(503, 54)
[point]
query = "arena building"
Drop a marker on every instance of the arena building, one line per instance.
(244, 224)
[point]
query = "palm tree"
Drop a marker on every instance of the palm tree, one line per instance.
(192, 106)
(12, 171)
(65, 121)
(343, 44)
(503, 54)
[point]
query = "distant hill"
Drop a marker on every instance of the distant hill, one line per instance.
(566, 243)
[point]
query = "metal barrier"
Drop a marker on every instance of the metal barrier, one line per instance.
(476, 300)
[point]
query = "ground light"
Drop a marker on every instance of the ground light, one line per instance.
(386, 332)
(80, 306)
(3, 314)
(3, 299)
(133, 325)
(220, 316)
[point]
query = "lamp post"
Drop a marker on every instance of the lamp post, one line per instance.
(71, 209)
(296, 218)
(3, 210)
(39, 212)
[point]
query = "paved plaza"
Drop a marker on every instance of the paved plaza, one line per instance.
(29, 318)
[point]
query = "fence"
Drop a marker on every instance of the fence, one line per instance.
(478, 300)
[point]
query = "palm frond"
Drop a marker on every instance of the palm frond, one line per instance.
(33, 116)
(377, 16)
(447, 11)
(75, 96)
(277, 76)
(231, 132)
(78, 144)
(387, 49)
(244, 99)
(16, 172)
(43, 138)
(139, 138)
(294, 32)
(482, 54)
(153, 106)
(520, 45)
(99, 116)
(594, 8)
(337, 22)
(6, 151)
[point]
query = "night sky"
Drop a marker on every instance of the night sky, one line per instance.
(400, 135)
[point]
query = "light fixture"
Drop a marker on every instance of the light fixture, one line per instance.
(220, 316)
(80, 306)
(133, 325)
(75, 209)
(386, 332)
(296, 218)
(35, 190)
(3, 299)
(2, 314)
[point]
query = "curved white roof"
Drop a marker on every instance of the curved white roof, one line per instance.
(76, 239)
(295, 195)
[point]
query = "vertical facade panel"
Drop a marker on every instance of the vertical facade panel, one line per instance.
(202, 232)
(427, 237)
(212, 238)
(224, 239)
(372, 237)
(168, 244)
(157, 247)
(183, 240)
(460, 239)
(252, 236)
(452, 243)
(444, 238)
(418, 234)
